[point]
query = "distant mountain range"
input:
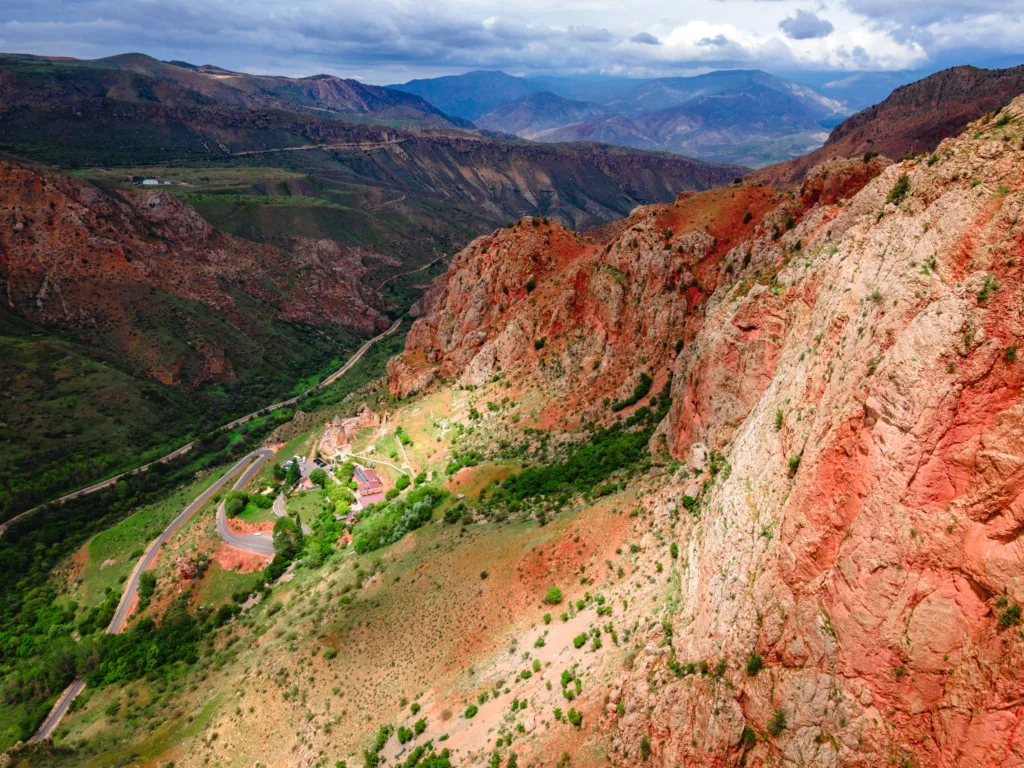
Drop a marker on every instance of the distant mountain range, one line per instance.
(136, 78)
(736, 116)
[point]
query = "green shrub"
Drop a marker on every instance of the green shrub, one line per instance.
(234, 503)
(754, 664)
(777, 722)
(575, 717)
(899, 191)
(538, 344)
(645, 748)
(1010, 617)
(749, 737)
(580, 640)
(553, 596)
(402, 482)
(794, 464)
(471, 711)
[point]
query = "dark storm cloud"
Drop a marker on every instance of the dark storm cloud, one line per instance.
(805, 26)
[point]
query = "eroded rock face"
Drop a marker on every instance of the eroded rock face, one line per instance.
(850, 367)
(111, 268)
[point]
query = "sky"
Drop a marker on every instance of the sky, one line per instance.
(392, 41)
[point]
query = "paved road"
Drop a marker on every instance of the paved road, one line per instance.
(255, 461)
(230, 425)
(262, 544)
(59, 710)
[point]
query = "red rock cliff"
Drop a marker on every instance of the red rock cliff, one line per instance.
(850, 357)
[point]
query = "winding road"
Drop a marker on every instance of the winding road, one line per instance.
(252, 463)
(230, 425)
(248, 466)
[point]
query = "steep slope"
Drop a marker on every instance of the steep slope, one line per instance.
(135, 77)
(120, 304)
(537, 112)
(914, 118)
(846, 395)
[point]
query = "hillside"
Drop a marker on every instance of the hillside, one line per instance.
(914, 118)
(748, 117)
(131, 322)
(530, 115)
(583, 186)
(133, 77)
(843, 379)
(753, 126)
(732, 482)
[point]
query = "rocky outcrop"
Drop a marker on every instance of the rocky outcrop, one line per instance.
(142, 274)
(847, 397)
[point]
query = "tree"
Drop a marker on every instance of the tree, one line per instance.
(402, 482)
(288, 539)
(293, 474)
(318, 477)
(235, 502)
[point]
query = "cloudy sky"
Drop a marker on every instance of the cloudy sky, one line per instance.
(386, 41)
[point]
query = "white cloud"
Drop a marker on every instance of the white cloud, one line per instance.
(392, 40)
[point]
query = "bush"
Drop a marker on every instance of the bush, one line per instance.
(673, 550)
(402, 482)
(899, 190)
(538, 344)
(235, 502)
(754, 664)
(471, 711)
(1010, 617)
(777, 722)
(794, 465)
(749, 737)
(580, 640)
(553, 596)
(530, 285)
(575, 717)
(645, 748)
